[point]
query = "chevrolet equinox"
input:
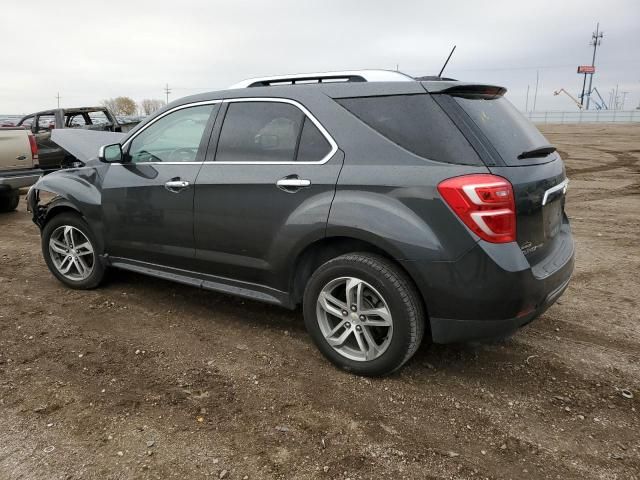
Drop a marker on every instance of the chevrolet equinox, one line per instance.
(391, 208)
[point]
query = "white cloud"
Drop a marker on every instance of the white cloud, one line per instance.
(88, 51)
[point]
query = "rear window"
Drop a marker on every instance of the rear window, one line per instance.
(506, 128)
(417, 124)
(99, 118)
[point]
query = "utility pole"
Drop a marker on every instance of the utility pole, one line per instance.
(596, 40)
(535, 95)
(526, 105)
(58, 98)
(167, 91)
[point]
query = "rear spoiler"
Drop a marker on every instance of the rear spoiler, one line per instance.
(488, 92)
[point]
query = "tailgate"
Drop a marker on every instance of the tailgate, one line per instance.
(516, 150)
(15, 150)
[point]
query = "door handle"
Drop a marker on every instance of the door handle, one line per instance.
(292, 184)
(176, 186)
(21, 157)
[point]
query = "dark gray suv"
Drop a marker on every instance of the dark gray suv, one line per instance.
(390, 208)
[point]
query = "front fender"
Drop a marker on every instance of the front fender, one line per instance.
(77, 189)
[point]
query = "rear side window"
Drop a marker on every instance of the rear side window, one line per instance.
(313, 145)
(260, 132)
(417, 124)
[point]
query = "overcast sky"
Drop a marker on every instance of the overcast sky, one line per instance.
(88, 50)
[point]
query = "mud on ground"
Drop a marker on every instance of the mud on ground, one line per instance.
(147, 379)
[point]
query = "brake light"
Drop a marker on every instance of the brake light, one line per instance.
(34, 147)
(484, 203)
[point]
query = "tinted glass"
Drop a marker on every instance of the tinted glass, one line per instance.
(174, 138)
(507, 129)
(259, 132)
(313, 145)
(416, 123)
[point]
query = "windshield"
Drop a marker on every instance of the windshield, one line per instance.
(506, 128)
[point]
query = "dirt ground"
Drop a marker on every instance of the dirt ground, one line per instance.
(147, 379)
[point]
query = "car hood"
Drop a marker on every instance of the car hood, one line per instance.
(84, 144)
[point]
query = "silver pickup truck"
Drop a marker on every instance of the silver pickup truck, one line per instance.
(19, 165)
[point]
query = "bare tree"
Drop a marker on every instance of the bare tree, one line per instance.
(121, 105)
(150, 105)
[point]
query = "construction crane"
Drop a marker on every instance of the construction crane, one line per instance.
(602, 104)
(562, 90)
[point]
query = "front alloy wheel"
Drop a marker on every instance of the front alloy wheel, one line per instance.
(69, 248)
(71, 253)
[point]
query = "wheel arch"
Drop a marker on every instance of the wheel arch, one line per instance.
(324, 249)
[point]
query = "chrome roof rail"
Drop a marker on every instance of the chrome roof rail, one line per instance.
(326, 77)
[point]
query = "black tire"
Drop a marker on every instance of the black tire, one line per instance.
(401, 296)
(9, 201)
(74, 220)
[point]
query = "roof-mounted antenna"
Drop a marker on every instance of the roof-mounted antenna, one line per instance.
(445, 63)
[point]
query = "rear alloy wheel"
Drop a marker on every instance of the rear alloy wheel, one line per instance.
(354, 319)
(364, 314)
(69, 249)
(9, 202)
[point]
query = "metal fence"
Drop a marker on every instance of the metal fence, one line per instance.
(588, 116)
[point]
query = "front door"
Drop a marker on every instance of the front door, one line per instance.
(147, 200)
(268, 190)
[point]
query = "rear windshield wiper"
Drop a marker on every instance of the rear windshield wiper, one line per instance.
(538, 152)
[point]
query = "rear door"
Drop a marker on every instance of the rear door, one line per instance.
(522, 155)
(266, 186)
(147, 200)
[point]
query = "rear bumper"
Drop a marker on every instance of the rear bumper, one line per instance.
(448, 330)
(492, 290)
(14, 181)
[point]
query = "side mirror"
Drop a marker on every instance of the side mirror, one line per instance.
(110, 153)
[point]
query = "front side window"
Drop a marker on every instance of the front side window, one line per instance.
(173, 138)
(260, 132)
(27, 122)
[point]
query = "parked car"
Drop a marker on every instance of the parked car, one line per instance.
(52, 156)
(389, 208)
(18, 165)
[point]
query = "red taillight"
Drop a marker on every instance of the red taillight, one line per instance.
(34, 147)
(484, 203)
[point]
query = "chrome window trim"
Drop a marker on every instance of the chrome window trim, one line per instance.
(302, 108)
(561, 186)
(174, 109)
(323, 131)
